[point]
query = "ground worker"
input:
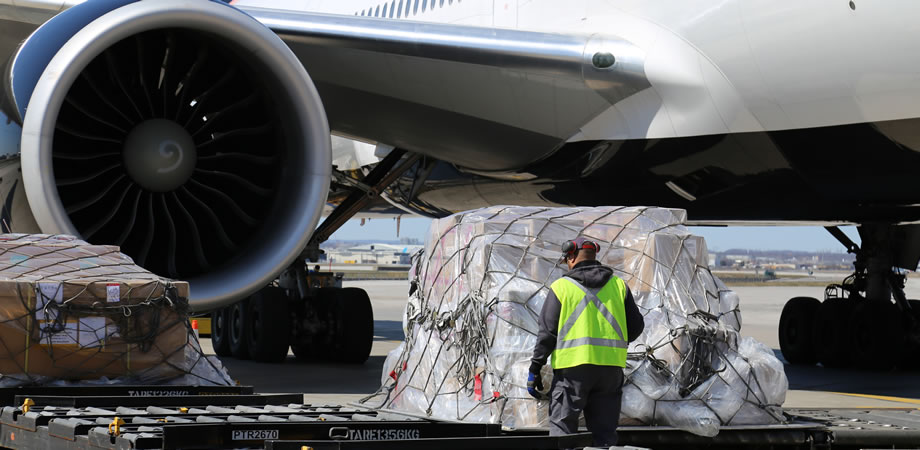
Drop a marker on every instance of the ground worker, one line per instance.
(587, 320)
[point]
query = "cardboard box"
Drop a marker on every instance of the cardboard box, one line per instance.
(73, 311)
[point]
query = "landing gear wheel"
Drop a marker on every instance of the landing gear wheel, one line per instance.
(239, 339)
(269, 325)
(305, 352)
(353, 317)
(831, 335)
(220, 332)
(795, 330)
(877, 334)
(912, 331)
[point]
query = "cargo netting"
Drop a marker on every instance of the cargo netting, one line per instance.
(76, 313)
(476, 291)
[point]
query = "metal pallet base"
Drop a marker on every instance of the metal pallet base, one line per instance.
(859, 428)
(172, 417)
(232, 418)
(8, 395)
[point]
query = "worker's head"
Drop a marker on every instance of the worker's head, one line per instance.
(578, 250)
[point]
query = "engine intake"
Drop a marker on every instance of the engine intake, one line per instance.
(187, 133)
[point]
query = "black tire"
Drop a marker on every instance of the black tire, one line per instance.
(912, 318)
(269, 323)
(914, 308)
(912, 332)
(239, 339)
(220, 332)
(305, 352)
(796, 325)
(353, 319)
(877, 332)
(831, 335)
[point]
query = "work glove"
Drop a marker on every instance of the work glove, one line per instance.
(535, 385)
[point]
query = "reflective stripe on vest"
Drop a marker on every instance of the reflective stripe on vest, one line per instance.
(590, 344)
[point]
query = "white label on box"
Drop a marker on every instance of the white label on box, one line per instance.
(113, 293)
(92, 332)
(66, 336)
(44, 294)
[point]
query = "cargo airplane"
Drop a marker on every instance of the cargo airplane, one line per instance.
(195, 134)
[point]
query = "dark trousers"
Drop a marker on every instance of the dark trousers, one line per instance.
(594, 390)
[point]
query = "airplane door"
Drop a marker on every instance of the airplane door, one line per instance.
(505, 13)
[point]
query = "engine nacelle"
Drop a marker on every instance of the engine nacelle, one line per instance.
(184, 131)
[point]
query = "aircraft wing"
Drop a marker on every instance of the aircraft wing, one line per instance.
(483, 98)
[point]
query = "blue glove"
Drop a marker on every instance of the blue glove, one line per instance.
(535, 385)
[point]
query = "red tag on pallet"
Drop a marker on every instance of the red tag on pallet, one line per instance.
(477, 388)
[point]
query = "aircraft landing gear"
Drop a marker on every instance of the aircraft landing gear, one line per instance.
(866, 321)
(309, 311)
(340, 330)
(268, 325)
(220, 332)
(795, 330)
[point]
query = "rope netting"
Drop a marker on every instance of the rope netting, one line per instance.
(477, 289)
(75, 312)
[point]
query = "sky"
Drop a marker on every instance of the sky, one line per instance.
(810, 238)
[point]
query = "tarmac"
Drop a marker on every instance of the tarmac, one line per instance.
(809, 387)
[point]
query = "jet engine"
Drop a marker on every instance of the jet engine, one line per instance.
(185, 132)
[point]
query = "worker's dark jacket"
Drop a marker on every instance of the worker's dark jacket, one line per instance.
(591, 274)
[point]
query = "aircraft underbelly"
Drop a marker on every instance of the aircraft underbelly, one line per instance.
(820, 174)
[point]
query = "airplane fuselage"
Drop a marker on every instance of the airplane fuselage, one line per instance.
(714, 67)
(754, 111)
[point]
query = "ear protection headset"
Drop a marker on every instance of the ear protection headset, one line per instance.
(570, 248)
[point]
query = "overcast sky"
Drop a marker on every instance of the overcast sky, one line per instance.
(717, 238)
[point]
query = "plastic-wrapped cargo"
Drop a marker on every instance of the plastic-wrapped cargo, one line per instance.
(479, 285)
(75, 312)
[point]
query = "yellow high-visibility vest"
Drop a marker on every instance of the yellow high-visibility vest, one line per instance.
(592, 324)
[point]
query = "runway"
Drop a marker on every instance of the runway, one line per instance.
(810, 387)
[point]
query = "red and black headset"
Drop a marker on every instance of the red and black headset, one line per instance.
(570, 248)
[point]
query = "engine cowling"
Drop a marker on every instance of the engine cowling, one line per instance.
(184, 131)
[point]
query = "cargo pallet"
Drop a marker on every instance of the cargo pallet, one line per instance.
(172, 417)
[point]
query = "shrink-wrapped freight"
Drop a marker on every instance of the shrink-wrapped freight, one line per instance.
(477, 290)
(71, 311)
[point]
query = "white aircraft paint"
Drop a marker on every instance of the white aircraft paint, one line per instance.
(716, 66)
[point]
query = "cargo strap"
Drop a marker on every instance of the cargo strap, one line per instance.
(589, 298)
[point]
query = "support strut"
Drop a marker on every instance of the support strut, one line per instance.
(384, 174)
(843, 239)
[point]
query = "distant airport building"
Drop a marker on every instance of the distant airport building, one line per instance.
(381, 254)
